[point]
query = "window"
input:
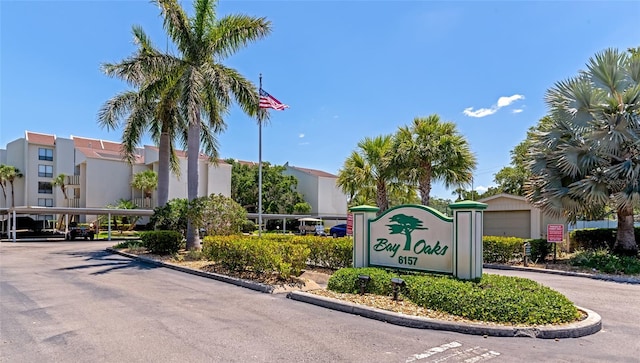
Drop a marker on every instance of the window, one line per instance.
(45, 171)
(45, 188)
(45, 154)
(45, 202)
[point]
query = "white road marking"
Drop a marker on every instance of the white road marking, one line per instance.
(455, 354)
(434, 350)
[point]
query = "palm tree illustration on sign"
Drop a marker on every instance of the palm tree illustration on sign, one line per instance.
(405, 225)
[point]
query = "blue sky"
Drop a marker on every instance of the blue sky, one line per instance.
(348, 69)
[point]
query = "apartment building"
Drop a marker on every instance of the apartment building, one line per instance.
(321, 191)
(96, 174)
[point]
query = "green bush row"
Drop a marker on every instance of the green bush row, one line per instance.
(593, 239)
(162, 242)
(260, 255)
(498, 249)
(333, 253)
(494, 298)
(606, 262)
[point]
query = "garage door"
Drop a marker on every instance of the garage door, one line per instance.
(511, 223)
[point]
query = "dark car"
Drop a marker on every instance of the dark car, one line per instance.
(339, 230)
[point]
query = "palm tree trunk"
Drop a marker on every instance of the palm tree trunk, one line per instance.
(381, 198)
(193, 151)
(625, 238)
(424, 186)
(163, 167)
(13, 196)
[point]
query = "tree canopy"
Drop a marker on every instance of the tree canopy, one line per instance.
(588, 155)
(279, 195)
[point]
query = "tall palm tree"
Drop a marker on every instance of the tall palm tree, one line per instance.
(9, 174)
(431, 150)
(147, 108)
(369, 169)
(203, 87)
(588, 156)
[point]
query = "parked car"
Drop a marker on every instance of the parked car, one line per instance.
(339, 230)
(80, 232)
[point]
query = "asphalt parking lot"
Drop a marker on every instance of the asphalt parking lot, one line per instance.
(75, 302)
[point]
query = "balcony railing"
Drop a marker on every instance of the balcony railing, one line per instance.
(144, 203)
(73, 202)
(73, 179)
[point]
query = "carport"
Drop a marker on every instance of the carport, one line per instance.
(11, 214)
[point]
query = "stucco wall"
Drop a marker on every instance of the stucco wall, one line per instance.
(331, 200)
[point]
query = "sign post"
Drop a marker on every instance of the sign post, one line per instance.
(555, 235)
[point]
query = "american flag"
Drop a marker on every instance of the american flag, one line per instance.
(268, 101)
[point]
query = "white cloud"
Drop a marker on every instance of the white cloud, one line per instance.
(517, 110)
(479, 113)
(301, 136)
(506, 101)
(503, 101)
(303, 143)
(481, 189)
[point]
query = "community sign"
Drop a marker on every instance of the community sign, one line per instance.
(412, 237)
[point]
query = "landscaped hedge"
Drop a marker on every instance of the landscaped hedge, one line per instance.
(494, 298)
(240, 253)
(333, 253)
(540, 249)
(498, 249)
(593, 239)
(162, 242)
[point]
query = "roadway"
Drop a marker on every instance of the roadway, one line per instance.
(73, 302)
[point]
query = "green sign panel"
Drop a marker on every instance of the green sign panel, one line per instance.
(412, 237)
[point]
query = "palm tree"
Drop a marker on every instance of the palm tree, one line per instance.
(60, 180)
(3, 180)
(431, 150)
(588, 156)
(369, 169)
(146, 109)
(202, 86)
(9, 174)
(146, 181)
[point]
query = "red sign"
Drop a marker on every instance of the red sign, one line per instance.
(555, 232)
(350, 224)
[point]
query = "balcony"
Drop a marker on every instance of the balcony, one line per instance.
(73, 203)
(144, 203)
(73, 180)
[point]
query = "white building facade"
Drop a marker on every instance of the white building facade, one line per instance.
(96, 174)
(321, 191)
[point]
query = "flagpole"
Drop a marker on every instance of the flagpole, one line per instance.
(260, 166)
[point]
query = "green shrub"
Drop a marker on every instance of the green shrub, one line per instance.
(248, 226)
(261, 255)
(593, 239)
(345, 280)
(494, 298)
(540, 249)
(124, 244)
(162, 242)
(501, 249)
(605, 262)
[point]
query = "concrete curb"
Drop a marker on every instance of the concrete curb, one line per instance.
(256, 286)
(591, 325)
(614, 278)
